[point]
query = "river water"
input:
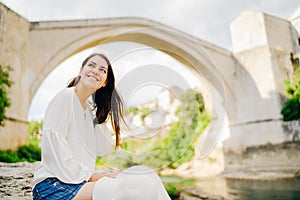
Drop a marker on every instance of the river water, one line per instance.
(277, 189)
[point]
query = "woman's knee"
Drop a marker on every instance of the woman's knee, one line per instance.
(85, 192)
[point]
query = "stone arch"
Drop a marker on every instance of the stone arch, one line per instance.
(34, 49)
(185, 48)
(182, 47)
(47, 44)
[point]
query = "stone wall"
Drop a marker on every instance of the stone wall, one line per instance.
(277, 160)
(14, 34)
(263, 48)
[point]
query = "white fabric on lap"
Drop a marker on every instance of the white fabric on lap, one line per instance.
(105, 188)
(134, 183)
(137, 186)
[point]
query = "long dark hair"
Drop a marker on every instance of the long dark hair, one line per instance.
(107, 99)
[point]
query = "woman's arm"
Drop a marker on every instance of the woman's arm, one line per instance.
(104, 141)
(96, 177)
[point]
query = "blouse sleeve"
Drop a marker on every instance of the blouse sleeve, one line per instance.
(104, 141)
(56, 153)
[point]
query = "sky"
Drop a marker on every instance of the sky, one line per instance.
(207, 20)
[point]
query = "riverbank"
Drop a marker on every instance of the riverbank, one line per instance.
(16, 178)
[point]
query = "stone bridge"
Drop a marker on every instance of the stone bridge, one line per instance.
(245, 86)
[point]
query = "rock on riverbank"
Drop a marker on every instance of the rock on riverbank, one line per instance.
(191, 193)
(15, 180)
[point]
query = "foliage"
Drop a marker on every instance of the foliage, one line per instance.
(35, 128)
(291, 108)
(142, 112)
(5, 84)
(171, 149)
(133, 110)
(130, 145)
(175, 184)
(30, 152)
(145, 112)
(177, 148)
(172, 190)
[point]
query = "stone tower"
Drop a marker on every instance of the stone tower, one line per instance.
(262, 44)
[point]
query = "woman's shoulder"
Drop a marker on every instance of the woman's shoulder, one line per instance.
(64, 95)
(66, 92)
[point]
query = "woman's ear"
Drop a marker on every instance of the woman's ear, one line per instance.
(80, 71)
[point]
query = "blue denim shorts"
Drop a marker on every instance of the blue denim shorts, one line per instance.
(53, 189)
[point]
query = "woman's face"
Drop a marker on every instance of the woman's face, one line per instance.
(94, 73)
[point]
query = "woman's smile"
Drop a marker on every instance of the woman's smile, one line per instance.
(93, 77)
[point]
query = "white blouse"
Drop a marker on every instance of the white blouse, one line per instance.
(70, 141)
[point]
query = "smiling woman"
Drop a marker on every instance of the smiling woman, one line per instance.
(69, 140)
(95, 78)
(75, 132)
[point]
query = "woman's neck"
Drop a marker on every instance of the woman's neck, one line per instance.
(83, 94)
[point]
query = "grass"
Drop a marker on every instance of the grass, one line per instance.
(175, 184)
(172, 190)
(31, 152)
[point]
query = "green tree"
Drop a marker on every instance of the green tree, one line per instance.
(178, 148)
(171, 149)
(35, 128)
(291, 108)
(5, 84)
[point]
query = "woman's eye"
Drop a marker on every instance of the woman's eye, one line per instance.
(103, 71)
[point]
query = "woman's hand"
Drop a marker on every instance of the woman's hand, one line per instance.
(96, 177)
